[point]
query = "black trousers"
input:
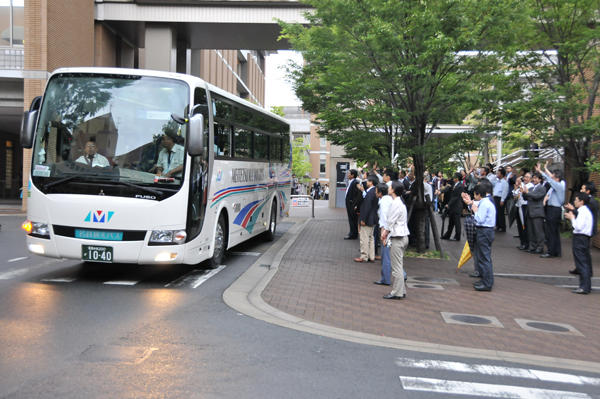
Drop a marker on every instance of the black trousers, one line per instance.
(453, 222)
(535, 227)
(500, 218)
(553, 215)
(352, 221)
(583, 260)
(522, 227)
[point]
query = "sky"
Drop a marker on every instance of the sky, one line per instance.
(278, 91)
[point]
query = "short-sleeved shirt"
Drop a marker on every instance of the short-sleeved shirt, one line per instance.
(95, 160)
(168, 163)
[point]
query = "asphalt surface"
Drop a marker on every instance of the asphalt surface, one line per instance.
(65, 332)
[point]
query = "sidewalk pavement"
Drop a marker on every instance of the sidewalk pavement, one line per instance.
(314, 285)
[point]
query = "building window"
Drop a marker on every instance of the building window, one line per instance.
(323, 142)
(322, 166)
(12, 22)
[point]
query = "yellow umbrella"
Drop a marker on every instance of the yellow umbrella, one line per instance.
(465, 256)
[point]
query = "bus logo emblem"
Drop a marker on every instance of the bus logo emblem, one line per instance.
(99, 216)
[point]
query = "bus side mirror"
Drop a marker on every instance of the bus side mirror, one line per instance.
(196, 135)
(28, 123)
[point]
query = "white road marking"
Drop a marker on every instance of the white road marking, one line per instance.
(59, 280)
(541, 375)
(16, 259)
(118, 282)
(245, 253)
(186, 278)
(208, 275)
(13, 274)
(484, 390)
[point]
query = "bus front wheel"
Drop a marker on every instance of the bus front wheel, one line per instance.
(220, 243)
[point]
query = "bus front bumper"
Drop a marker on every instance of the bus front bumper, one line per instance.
(120, 252)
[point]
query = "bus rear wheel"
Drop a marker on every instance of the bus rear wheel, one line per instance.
(270, 233)
(219, 244)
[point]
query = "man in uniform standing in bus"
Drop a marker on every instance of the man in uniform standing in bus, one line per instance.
(170, 158)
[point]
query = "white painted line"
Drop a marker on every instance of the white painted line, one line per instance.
(16, 259)
(13, 274)
(208, 275)
(575, 286)
(59, 280)
(245, 253)
(486, 369)
(120, 282)
(484, 390)
(186, 278)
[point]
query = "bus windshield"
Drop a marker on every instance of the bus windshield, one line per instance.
(111, 135)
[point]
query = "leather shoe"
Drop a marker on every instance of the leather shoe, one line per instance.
(522, 247)
(580, 291)
(445, 238)
(534, 251)
(454, 239)
(474, 274)
(379, 283)
(574, 271)
(390, 296)
(349, 238)
(545, 256)
(359, 260)
(482, 287)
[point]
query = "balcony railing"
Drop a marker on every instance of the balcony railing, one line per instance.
(12, 58)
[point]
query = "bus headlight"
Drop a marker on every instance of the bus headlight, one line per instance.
(36, 229)
(167, 237)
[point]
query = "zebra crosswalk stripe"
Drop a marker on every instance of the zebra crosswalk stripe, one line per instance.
(484, 390)
(486, 369)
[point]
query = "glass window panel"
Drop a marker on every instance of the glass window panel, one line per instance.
(261, 146)
(18, 23)
(4, 22)
(222, 140)
(286, 149)
(242, 143)
(275, 149)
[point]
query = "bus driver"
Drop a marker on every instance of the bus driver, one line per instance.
(170, 158)
(91, 157)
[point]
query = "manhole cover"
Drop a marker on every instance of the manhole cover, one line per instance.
(423, 286)
(547, 326)
(471, 319)
(116, 354)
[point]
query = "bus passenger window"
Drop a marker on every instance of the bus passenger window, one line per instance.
(261, 146)
(242, 143)
(285, 149)
(222, 140)
(275, 149)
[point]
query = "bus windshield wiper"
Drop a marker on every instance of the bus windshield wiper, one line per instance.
(102, 178)
(146, 189)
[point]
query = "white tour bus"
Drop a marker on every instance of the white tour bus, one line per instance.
(147, 167)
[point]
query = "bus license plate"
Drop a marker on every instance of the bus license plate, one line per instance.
(95, 253)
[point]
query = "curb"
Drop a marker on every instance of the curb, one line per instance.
(244, 295)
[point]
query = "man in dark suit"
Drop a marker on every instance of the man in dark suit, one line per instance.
(352, 192)
(368, 219)
(535, 213)
(455, 207)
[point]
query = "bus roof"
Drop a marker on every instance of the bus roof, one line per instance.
(191, 80)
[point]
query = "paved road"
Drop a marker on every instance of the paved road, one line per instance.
(72, 331)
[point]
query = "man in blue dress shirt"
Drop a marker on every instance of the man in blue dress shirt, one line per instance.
(485, 221)
(556, 199)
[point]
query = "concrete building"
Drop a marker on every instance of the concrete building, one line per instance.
(203, 38)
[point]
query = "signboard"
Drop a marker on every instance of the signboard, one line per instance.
(301, 202)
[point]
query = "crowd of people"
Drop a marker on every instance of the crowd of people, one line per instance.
(376, 205)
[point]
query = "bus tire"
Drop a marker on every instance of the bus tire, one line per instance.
(270, 233)
(219, 244)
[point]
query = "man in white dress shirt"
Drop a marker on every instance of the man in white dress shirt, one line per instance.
(91, 157)
(582, 232)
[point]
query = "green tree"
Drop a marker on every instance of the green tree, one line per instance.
(559, 79)
(277, 110)
(382, 74)
(300, 164)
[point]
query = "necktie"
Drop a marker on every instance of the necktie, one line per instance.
(90, 159)
(169, 159)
